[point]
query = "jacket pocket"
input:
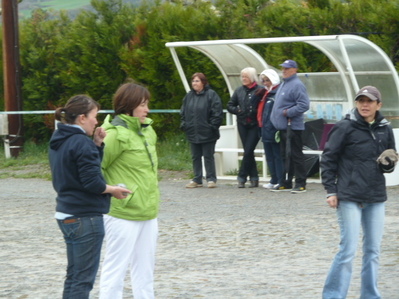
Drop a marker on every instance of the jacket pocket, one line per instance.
(122, 203)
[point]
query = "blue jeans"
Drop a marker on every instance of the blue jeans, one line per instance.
(83, 237)
(352, 216)
(274, 162)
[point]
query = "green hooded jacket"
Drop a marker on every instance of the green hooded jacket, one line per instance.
(130, 158)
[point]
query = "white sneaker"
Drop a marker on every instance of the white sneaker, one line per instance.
(268, 186)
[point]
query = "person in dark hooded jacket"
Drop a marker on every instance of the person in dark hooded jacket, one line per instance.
(271, 81)
(359, 150)
(82, 193)
(201, 116)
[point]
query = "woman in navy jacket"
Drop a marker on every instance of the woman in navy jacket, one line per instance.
(275, 165)
(353, 165)
(82, 193)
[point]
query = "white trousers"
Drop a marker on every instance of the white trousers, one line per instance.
(129, 244)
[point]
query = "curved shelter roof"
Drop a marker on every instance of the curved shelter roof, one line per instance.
(358, 62)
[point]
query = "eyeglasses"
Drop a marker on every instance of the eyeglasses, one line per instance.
(196, 81)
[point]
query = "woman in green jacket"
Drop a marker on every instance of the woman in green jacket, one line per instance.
(131, 227)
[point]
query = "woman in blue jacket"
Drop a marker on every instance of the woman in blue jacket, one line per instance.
(82, 193)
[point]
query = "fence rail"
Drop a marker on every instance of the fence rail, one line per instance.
(100, 111)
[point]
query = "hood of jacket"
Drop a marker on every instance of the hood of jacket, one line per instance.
(272, 75)
(60, 136)
(126, 121)
(206, 87)
(354, 115)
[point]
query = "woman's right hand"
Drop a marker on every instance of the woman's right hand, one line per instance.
(333, 201)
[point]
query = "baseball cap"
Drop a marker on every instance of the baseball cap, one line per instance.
(369, 91)
(289, 64)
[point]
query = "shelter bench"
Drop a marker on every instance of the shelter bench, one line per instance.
(259, 156)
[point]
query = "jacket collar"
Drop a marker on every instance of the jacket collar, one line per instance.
(354, 115)
(126, 121)
(290, 78)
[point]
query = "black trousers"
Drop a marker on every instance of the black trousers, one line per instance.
(206, 150)
(249, 138)
(296, 159)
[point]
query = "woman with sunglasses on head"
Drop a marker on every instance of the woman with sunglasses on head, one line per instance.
(201, 116)
(82, 193)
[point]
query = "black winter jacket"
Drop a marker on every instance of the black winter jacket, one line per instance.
(76, 170)
(348, 163)
(201, 116)
(244, 104)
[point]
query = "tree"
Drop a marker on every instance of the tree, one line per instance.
(100, 49)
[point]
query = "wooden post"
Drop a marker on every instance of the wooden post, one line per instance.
(11, 70)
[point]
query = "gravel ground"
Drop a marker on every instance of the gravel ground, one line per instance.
(213, 243)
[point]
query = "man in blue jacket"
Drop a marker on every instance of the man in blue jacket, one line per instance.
(292, 101)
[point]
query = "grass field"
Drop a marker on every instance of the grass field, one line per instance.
(62, 4)
(25, 9)
(173, 155)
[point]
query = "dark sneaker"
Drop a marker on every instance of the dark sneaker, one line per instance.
(254, 184)
(298, 190)
(279, 188)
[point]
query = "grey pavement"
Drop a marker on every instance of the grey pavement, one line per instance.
(213, 243)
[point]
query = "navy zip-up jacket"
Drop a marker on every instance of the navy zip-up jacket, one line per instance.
(75, 163)
(268, 130)
(349, 161)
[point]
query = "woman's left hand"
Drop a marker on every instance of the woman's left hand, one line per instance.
(99, 135)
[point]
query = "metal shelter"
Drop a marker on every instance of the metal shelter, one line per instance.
(358, 62)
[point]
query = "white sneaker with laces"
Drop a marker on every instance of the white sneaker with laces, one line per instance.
(268, 186)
